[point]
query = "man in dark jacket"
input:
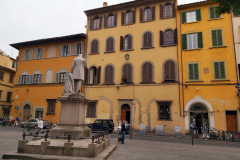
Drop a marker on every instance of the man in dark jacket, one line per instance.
(123, 130)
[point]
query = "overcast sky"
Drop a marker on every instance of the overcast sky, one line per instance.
(25, 20)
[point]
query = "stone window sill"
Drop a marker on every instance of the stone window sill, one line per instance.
(93, 53)
(127, 24)
(191, 22)
(217, 47)
(192, 81)
(163, 18)
(95, 29)
(110, 27)
(108, 84)
(92, 84)
(164, 119)
(91, 117)
(127, 50)
(109, 52)
(147, 48)
(147, 83)
(168, 45)
(170, 82)
(214, 19)
(220, 80)
(50, 113)
(128, 83)
(192, 49)
(147, 21)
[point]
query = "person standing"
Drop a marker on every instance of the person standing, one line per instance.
(16, 122)
(40, 124)
(123, 130)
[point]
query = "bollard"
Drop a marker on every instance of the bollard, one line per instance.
(24, 135)
(46, 136)
(37, 133)
(93, 139)
(69, 137)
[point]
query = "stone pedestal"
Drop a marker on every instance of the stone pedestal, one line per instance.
(72, 118)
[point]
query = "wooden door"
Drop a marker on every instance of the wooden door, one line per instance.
(123, 115)
(231, 123)
(26, 115)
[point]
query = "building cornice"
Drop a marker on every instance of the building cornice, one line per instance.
(192, 5)
(7, 69)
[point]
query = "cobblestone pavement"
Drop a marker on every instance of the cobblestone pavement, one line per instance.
(147, 147)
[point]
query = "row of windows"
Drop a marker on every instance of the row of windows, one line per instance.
(64, 50)
(167, 38)
(193, 16)
(129, 16)
(9, 95)
(219, 71)
(195, 40)
(2, 77)
(147, 73)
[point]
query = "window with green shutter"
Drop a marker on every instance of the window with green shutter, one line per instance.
(193, 72)
(219, 70)
(217, 39)
(213, 13)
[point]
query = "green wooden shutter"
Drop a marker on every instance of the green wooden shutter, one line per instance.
(200, 40)
(196, 74)
(190, 68)
(214, 38)
(184, 17)
(222, 70)
(184, 41)
(219, 37)
(216, 70)
(212, 13)
(198, 14)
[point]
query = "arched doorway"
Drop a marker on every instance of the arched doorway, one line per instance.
(199, 117)
(26, 112)
(126, 113)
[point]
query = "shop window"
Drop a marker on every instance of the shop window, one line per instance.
(164, 110)
(39, 112)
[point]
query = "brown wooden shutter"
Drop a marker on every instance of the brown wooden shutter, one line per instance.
(123, 18)
(107, 75)
(99, 75)
(100, 22)
(125, 71)
(174, 9)
(145, 40)
(96, 46)
(129, 73)
(105, 21)
(175, 36)
(111, 74)
(115, 19)
(108, 44)
(172, 70)
(130, 45)
(153, 13)
(86, 76)
(149, 39)
(161, 38)
(161, 11)
(111, 44)
(167, 71)
(150, 79)
(144, 75)
(141, 14)
(134, 16)
(91, 23)
(121, 43)
(92, 47)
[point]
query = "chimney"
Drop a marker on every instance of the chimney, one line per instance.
(105, 4)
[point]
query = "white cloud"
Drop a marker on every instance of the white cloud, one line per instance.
(25, 20)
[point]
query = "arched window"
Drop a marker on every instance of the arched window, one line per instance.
(147, 74)
(169, 71)
(129, 16)
(128, 42)
(37, 78)
(49, 76)
(94, 47)
(65, 50)
(168, 37)
(52, 52)
(110, 45)
(24, 78)
(168, 10)
(147, 40)
(109, 74)
(127, 73)
(93, 75)
(96, 23)
(147, 14)
(61, 76)
(111, 20)
(79, 48)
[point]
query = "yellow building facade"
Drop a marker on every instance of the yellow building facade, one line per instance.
(7, 72)
(42, 67)
(208, 68)
(133, 64)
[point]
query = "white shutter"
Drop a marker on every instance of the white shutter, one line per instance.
(23, 55)
(30, 55)
(69, 50)
(74, 50)
(35, 54)
(43, 51)
(60, 51)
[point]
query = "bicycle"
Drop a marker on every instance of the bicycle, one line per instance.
(29, 130)
(213, 135)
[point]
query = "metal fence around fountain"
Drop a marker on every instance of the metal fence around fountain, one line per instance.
(101, 134)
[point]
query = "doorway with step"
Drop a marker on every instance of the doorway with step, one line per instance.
(126, 113)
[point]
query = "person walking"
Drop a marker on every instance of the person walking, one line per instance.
(16, 122)
(123, 130)
(40, 124)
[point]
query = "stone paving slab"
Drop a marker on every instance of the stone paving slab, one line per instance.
(102, 156)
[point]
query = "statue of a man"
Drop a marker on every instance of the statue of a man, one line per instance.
(78, 66)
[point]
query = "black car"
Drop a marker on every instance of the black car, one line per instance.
(105, 125)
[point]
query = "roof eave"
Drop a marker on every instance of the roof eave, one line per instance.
(191, 5)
